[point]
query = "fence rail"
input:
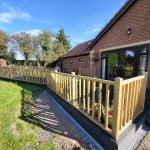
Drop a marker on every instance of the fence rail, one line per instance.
(110, 104)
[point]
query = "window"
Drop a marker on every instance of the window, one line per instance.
(112, 64)
(66, 63)
(126, 62)
(143, 59)
(70, 62)
(81, 59)
(103, 55)
(143, 49)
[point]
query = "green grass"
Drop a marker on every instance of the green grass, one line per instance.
(15, 132)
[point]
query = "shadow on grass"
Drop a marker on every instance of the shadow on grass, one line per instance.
(27, 110)
(41, 114)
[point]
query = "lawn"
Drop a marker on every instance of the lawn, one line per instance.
(15, 106)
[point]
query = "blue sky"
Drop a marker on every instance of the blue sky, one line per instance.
(81, 19)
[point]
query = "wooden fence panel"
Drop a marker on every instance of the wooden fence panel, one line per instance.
(89, 72)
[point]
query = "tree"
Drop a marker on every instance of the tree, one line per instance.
(24, 41)
(63, 39)
(12, 56)
(12, 51)
(37, 50)
(59, 49)
(46, 43)
(4, 39)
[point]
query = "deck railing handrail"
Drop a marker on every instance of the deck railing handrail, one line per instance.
(93, 97)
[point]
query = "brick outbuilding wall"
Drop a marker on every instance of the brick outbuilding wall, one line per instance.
(76, 64)
(2, 62)
(138, 19)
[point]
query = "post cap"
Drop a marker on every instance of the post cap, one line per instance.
(73, 73)
(118, 79)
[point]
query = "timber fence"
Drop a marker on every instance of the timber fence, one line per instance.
(89, 72)
(112, 105)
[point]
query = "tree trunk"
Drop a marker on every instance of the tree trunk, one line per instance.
(26, 60)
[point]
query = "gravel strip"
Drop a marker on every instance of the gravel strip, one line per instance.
(58, 128)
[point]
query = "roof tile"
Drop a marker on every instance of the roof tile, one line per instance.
(80, 49)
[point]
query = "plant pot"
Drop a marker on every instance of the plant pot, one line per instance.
(110, 119)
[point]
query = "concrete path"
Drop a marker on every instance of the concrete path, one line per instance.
(142, 141)
(55, 122)
(145, 145)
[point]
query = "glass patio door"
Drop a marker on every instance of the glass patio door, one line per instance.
(112, 65)
(127, 64)
(109, 65)
(120, 63)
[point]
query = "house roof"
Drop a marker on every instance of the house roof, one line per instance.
(116, 17)
(83, 48)
(80, 49)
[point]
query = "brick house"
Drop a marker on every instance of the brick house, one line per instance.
(2, 62)
(123, 45)
(76, 58)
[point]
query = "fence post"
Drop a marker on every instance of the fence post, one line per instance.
(73, 88)
(56, 79)
(143, 92)
(117, 106)
(25, 73)
(10, 75)
(79, 72)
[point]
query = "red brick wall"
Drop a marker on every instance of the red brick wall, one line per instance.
(137, 18)
(76, 64)
(2, 62)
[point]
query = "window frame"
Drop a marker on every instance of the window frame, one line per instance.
(66, 62)
(79, 59)
(71, 62)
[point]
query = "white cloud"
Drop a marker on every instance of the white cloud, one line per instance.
(93, 29)
(34, 32)
(43, 21)
(15, 13)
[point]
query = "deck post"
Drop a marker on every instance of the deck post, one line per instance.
(73, 88)
(117, 106)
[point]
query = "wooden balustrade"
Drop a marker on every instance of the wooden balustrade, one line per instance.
(93, 97)
(89, 72)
